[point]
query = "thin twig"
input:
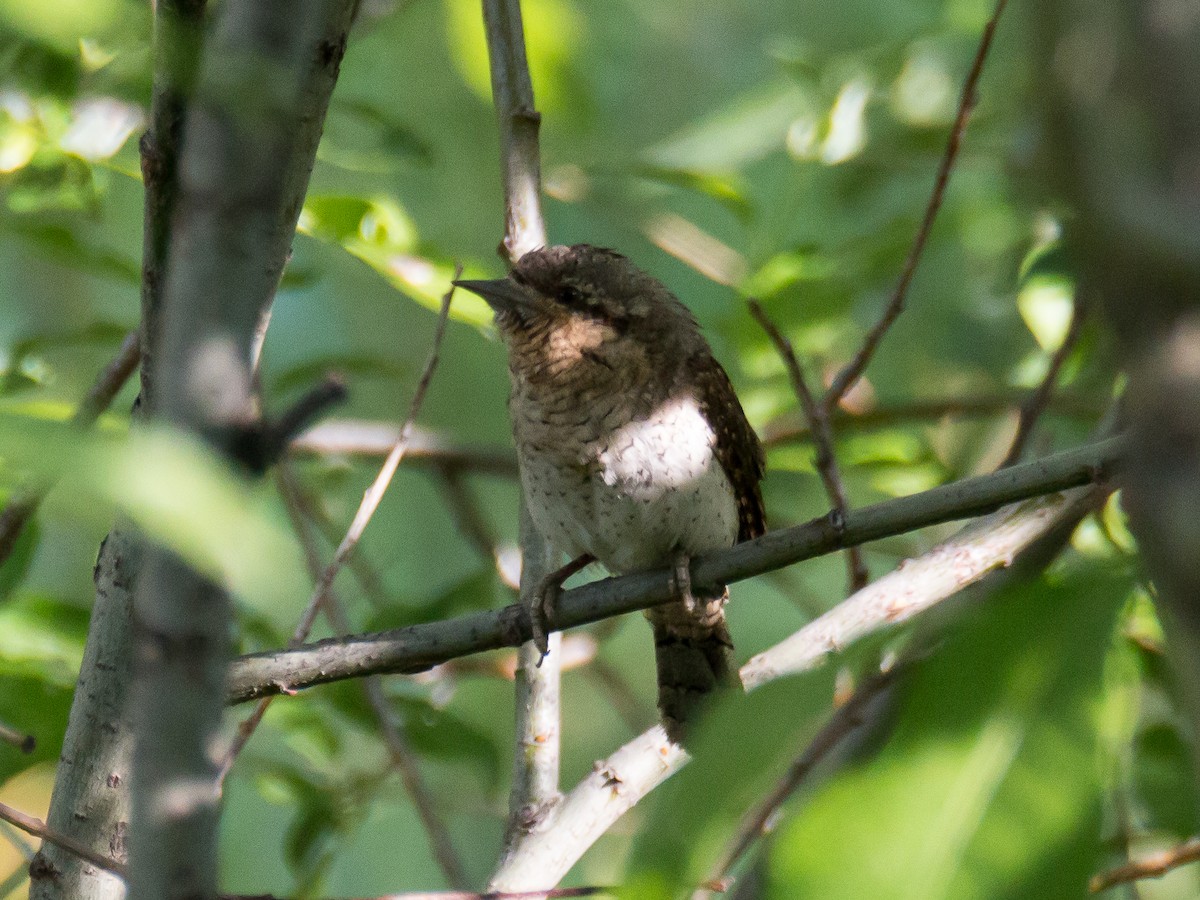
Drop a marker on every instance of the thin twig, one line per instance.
(786, 430)
(349, 437)
(361, 567)
(38, 828)
(420, 647)
(20, 509)
(846, 719)
(370, 502)
(818, 418)
(27, 743)
(403, 758)
(554, 894)
(472, 523)
(1155, 865)
(853, 370)
(1035, 404)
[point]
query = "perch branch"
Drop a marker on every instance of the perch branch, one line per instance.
(419, 647)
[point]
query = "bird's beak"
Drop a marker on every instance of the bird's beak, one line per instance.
(503, 295)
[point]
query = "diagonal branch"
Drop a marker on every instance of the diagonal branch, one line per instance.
(1155, 865)
(403, 758)
(853, 370)
(38, 828)
(366, 510)
(1035, 404)
(418, 647)
(818, 419)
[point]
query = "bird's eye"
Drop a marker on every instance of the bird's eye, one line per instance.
(571, 296)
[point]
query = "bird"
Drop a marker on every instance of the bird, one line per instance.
(632, 446)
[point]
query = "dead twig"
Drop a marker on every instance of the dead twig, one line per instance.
(817, 415)
(404, 760)
(370, 502)
(1035, 404)
(38, 828)
(846, 719)
(853, 370)
(1155, 865)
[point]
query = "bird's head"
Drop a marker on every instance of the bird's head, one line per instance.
(565, 305)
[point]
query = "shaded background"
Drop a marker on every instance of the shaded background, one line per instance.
(780, 150)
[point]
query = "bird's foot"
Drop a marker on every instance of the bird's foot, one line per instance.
(681, 581)
(545, 599)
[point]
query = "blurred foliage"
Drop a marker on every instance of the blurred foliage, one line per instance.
(780, 149)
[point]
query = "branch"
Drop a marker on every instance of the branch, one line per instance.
(349, 437)
(402, 756)
(986, 544)
(252, 129)
(846, 720)
(818, 419)
(543, 857)
(592, 797)
(853, 370)
(1155, 865)
(536, 755)
(366, 509)
(26, 743)
(38, 828)
(419, 647)
(90, 802)
(518, 121)
(1035, 404)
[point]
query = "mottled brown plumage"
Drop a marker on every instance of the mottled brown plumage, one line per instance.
(632, 444)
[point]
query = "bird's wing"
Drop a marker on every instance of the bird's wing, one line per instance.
(738, 449)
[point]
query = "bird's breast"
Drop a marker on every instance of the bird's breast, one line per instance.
(631, 489)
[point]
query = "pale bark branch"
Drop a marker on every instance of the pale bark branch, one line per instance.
(986, 544)
(419, 647)
(542, 857)
(536, 755)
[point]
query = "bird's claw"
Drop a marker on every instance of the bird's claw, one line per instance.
(539, 614)
(681, 582)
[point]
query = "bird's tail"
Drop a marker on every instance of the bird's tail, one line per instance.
(694, 654)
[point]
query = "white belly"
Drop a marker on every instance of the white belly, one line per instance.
(634, 496)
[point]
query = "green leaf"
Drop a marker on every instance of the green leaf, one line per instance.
(1164, 779)
(989, 786)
